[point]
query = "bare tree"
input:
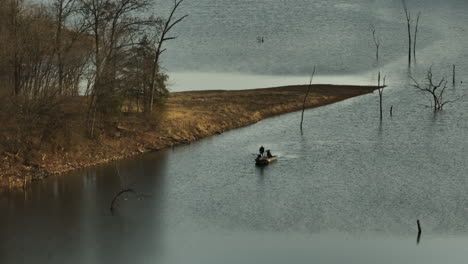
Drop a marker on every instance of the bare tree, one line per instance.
(164, 29)
(46, 49)
(416, 35)
(62, 10)
(12, 23)
(29, 74)
(411, 42)
(29, 55)
(380, 89)
(376, 43)
(453, 75)
(434, 88)
(305, 98)
(408, 22)
(72, 46)
(110, 23)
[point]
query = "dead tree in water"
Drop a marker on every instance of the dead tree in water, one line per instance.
(453, 75)
(418, 239)
(376, 43)
(380, 90)
(435, 89)
(415, 36)
(411, 42)
(408, 22)
(305, 98)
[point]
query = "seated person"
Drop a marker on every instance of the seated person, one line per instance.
(269, 154)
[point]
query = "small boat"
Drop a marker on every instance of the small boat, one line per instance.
(265, 161)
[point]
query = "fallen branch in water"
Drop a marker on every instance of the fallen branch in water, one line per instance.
(114, 200)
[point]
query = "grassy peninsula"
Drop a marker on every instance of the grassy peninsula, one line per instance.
(185, 117)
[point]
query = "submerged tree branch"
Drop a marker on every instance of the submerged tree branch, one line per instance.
(376, 43)
(116, 196)
(416, 35)
(434, 88)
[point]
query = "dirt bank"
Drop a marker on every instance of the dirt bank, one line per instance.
(187, 116)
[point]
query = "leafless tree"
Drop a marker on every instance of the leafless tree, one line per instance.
(163, 29)
(62, 10)
(416, 35)
(408, 23)
(411, 42)
(380, 89)
(453, 75)
(13, 14)
(72, 46)
(376, 43)
(28, 76)
(47, 49)
(435, 88)
(110, 22)
(305, 98)
(39, 56)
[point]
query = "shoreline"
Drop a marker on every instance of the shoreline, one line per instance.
(187, 116)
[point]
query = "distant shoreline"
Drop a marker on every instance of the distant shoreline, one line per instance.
(187, 117)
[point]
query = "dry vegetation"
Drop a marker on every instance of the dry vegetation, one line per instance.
(80, 85)
(68, 68)
(187, 116)
(217, 111)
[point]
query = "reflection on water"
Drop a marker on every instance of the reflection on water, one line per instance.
(304, 249)
(67, 219)
(348, 191)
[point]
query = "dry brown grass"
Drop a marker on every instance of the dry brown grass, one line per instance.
(187, 116)
(217, 111)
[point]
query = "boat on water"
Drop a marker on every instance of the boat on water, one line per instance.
(263, 161)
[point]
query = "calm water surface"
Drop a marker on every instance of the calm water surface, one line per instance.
(348, 191)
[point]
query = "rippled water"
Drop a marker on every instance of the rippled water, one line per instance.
(349, 191)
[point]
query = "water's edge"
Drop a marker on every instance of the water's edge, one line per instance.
(146, 143)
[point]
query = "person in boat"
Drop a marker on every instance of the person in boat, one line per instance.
(269, 154)
(261, 150)
(259, 157)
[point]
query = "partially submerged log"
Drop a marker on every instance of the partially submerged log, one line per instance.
(121, 192)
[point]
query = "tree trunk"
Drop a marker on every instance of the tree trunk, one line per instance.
(453, 75)
(380, 95)
(305, 99)
(58, 48)
(415, 36)
(153, 80)
(409, 43)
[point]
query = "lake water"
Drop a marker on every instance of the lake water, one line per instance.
(348, 191)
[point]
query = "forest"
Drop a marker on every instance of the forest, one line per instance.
(69, 69)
